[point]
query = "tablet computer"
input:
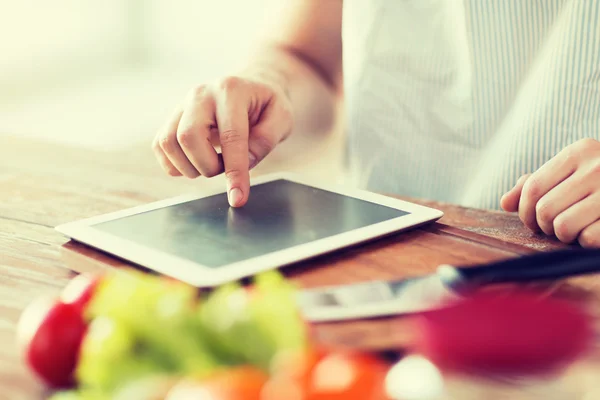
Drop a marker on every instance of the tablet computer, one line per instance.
(201, 240)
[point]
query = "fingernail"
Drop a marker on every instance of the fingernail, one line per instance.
(235, 197)
(251, 161)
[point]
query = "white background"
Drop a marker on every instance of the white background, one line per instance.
(107, 73)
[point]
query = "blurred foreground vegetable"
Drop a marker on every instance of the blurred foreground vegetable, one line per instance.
(127, 334)
(519, 334)
(50, 334)
(252, 326)
(236, 383)
(497, 345)
(326, 374)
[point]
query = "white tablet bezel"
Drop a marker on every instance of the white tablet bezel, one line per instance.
(204, 276)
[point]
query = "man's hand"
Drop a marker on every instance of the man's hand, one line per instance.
(562, 198)
(247, 118)
(300, 59)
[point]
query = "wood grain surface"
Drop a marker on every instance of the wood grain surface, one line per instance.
(43, 185)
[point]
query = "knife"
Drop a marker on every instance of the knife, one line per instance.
(449, 283)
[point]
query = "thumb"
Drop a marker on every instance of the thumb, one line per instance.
(510, 201)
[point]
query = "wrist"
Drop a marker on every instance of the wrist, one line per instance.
(272, 77)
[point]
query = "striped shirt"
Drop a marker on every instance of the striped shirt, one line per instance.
(453, 100)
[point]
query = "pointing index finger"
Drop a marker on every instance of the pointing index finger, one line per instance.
(232, 119)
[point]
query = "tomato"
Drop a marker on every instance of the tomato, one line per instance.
(79, 290)
(348, 375)
(50, 333)
(236, 383)
(322, 374)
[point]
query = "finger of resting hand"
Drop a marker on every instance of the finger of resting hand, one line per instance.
(541, 182)
(232, 119)
(510, 201)
(590, 236)
(558, 199)
(167, 141)
(193, 136)
(569, 224)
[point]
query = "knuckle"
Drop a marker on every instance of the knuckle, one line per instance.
(571, 154)
(595, 167)
(233, 174)
(586, 143)
(562, 229)
(532, 188)
(544, 212)
(522, 178)
(186, 138)
(588, 238)
(198, 91)
(167, 144)
(230, 83)
(229, 137)
(172, 171)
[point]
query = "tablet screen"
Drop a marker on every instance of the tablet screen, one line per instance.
(279, 214)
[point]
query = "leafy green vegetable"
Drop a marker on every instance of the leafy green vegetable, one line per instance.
(276, 313)
(109, 357)
(225, 317)
(252, 326)
(160, 315)
(144, 326)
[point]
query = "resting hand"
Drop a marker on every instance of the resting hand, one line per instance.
(562, 198)
(246, 117)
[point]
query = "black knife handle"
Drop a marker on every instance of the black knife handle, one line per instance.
(542, 266)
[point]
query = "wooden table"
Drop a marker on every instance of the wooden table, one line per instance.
(44, 184)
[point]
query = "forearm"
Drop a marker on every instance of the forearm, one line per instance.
(302, 53)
